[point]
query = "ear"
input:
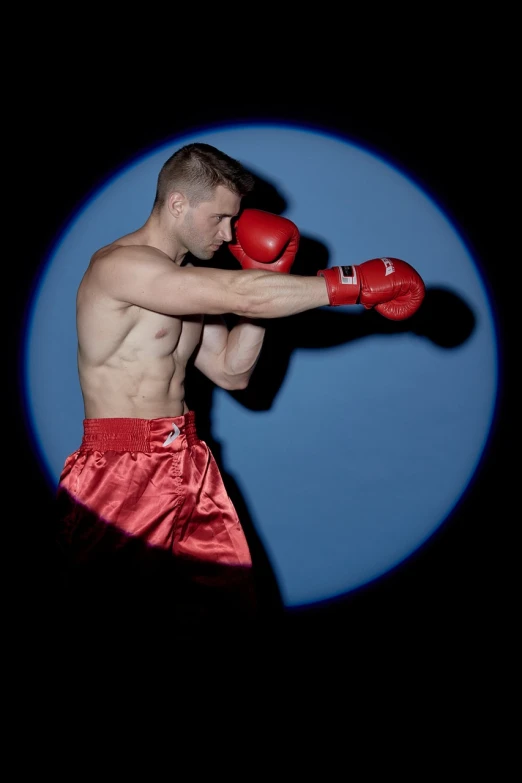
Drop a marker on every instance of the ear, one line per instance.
(177, 203)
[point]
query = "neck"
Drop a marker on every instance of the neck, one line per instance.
(155, 234)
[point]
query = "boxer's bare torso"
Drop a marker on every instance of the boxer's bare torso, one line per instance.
(131, 361)
(140, 317)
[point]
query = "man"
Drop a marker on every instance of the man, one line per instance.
(142, 483)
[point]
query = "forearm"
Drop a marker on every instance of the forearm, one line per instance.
(242, 351)
(272, 295)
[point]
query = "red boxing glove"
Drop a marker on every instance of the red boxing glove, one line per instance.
(390, 285)
(264, 241)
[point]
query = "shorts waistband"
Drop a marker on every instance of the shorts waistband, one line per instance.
(126, 434)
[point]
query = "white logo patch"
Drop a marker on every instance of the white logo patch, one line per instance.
(172, 435)
(348, 275)
(390, 269)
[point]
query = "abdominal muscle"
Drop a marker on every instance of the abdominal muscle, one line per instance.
(141, 374)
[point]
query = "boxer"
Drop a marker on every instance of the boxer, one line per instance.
(141, 475)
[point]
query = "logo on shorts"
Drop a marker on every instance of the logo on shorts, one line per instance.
(172, 435)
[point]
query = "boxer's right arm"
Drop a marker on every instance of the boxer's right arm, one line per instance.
(265, 241)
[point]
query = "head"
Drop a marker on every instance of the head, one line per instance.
(199, 192)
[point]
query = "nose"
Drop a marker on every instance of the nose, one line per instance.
(226, 231)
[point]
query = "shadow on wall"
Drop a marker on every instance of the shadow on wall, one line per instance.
(444, 319)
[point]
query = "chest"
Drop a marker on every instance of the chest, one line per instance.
(166, 335)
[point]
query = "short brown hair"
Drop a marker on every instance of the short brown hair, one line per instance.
(196, 170)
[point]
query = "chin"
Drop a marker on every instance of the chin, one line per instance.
(206, 255)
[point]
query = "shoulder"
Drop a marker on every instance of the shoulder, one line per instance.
(121, 256)
(119, 252)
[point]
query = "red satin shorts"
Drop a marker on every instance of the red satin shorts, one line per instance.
(152, 482)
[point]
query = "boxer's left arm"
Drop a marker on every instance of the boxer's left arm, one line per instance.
(261, 240)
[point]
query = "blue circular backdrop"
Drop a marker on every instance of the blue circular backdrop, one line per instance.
(370, 443)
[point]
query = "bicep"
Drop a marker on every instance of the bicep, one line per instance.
(160, 285)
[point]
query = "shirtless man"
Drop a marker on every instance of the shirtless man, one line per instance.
(141, 474)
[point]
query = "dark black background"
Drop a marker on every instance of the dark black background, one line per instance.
(447, 602)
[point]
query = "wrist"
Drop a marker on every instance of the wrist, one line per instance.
(342, 283)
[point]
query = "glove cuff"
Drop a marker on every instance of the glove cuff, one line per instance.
(342, 283)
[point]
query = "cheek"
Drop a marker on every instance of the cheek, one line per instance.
(205, 228)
